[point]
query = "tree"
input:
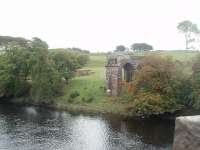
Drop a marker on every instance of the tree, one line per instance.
(29, 68)
(188, 29)
(141, 47)
(14, 68)
(46, 79)
(5, 40)
(120, 48)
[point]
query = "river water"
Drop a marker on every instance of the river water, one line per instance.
(34, 128)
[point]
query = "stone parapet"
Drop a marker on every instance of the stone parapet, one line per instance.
(187, 133)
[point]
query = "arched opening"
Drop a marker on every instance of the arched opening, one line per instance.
(127, 72)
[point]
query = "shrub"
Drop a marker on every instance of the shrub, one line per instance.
(154, 74)
(159, 86)
(74, 94)
(90, 99)
(148, 103)
(83, 99)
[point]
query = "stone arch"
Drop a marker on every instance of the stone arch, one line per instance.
(119, 67)
(127, 71)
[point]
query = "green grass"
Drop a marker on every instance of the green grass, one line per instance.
(93, 87)
(178, 55)
(186, 57)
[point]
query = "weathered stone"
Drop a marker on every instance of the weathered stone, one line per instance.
(187, 133)
(114, 67)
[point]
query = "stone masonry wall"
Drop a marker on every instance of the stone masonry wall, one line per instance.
(187, 133)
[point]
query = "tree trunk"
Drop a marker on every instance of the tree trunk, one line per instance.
(186, 41)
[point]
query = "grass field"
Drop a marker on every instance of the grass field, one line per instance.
(178, 55)
(91, 89)
(86, 86)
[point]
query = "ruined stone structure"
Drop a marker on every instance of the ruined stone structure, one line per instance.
(119, 67)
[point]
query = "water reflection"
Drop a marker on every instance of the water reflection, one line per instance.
(35, 128)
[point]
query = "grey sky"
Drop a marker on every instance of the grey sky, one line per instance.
(99, 25)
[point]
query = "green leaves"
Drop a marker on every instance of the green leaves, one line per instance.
(28, 68)
(188, 28)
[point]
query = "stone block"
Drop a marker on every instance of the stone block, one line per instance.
(187, 133)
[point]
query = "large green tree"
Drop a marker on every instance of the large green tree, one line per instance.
(14, 70)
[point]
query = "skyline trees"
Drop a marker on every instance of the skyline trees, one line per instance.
(190, 31)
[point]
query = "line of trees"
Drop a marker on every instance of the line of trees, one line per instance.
(189, 29)
(29, 68)
(136, 47)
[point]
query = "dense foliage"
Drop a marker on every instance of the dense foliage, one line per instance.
(196, 82)
(160, 85)
(28, 69)
(67, 60)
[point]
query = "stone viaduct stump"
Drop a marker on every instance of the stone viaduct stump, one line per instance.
(119, 67)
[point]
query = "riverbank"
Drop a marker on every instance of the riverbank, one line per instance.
(87, 93)
(109, 106)
(117, 110)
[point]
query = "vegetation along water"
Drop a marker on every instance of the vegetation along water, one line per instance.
(74, 79)
(164, 85)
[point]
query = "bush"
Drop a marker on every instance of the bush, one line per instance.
(155, 74)
(90, 99)
(159, 86)
(148, 103)
(83, 99)
(74, 94)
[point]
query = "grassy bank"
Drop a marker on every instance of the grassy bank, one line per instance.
(91, 91)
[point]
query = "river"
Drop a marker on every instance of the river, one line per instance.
(35, 128)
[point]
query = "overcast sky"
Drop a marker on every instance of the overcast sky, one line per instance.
(99, 25)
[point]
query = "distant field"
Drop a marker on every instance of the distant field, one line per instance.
(178, 55)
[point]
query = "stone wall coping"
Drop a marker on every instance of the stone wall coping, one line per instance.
(194, 119)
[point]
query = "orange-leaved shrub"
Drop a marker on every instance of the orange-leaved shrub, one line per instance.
(157, 86)
(148, 103)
